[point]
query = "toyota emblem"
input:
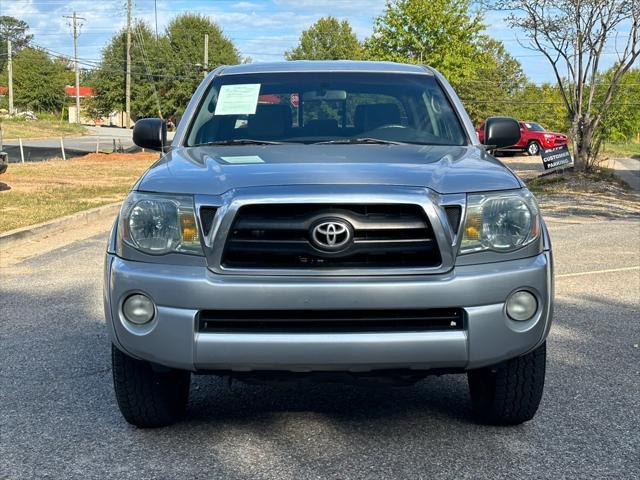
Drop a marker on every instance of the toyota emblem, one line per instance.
(332, 235)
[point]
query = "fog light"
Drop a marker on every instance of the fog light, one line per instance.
(138, 309)
(522, 305)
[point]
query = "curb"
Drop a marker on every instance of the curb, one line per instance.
(32, 232)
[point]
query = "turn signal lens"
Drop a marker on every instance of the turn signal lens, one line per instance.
(473, 227)
(188, 228)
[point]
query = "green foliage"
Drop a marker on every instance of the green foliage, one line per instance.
(108, 81)
(17, 31)
(164, 72)
(444, 34)
(621, 123)
(38, 81)
(184, 46)
(496, 81)
(447, 35)
(543, 104)
(327, 39)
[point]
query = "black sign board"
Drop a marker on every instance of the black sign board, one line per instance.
(555, 157)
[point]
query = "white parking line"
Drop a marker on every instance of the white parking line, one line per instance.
(593, 272)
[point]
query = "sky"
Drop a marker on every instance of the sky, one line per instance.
(261, 29)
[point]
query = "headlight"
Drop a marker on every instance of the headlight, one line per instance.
(500, 221)
(548, 135)
(159, 224)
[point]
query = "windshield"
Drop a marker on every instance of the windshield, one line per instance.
(535, 127)
(325, 108)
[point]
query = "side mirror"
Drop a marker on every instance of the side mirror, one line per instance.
(150, 133)
(501, 132)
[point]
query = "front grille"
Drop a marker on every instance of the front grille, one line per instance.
(279, 237)
(453, 213)
(207, 215)
(330, 321)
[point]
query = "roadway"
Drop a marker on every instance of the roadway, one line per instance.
(60, 419)
(101, 138)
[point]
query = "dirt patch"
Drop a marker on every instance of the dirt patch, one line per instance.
(600, 194)
(597, 206)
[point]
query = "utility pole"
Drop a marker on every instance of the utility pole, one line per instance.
(128, 74)
(155, 12)
(76, 33)
(10, 75)
(206, 54)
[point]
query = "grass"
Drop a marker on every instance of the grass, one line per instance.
(35, 192)
(20, 128)
(628, 150)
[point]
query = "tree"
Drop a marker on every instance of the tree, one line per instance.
(38, 80)
(184, 65)
(165, 71)
(17, 31)
(447, 35)
(621, 123)
(444, 34)
(541, 104)
(108, 80)
(327, 39)
(496, 80)
(573, 36)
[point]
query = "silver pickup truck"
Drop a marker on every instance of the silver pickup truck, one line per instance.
(328, 220)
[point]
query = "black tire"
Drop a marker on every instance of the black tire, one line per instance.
(148, 398)
(509, 393)
(533, 148)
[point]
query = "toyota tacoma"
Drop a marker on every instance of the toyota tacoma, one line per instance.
(328, 220)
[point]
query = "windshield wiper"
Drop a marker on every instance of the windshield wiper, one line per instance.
(239, 141)
(348, 141)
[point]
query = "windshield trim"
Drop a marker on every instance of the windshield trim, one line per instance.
(195, 104)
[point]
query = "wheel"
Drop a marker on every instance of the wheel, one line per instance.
(148, 398)
(509, 393)
(533, 148)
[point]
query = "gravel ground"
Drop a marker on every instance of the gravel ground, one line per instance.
(60, 420)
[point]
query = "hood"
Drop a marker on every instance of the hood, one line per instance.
(216, 170)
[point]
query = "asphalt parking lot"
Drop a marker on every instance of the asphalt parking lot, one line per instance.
(60, 420)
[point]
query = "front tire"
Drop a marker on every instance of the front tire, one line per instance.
(509, 393)
(533, 148)
(148, 398)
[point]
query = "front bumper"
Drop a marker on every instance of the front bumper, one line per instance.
(180, 292)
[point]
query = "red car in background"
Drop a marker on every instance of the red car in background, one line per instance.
(533, 138)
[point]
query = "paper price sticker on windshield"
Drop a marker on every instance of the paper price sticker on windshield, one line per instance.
(238, 99)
